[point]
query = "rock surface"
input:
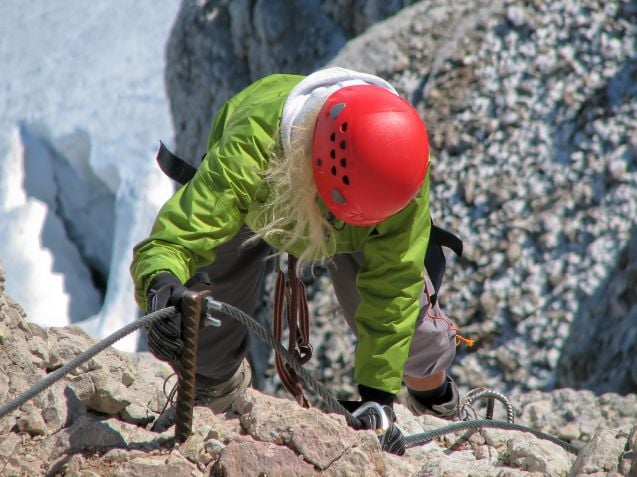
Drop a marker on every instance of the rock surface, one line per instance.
(96, 421)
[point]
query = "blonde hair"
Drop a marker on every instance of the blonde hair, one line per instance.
(291, 214)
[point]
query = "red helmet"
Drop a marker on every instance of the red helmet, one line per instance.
(370, 154)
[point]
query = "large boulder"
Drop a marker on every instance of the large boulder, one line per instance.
(534, 165)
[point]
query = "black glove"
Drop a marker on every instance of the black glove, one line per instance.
(390, 437)
(164, 335)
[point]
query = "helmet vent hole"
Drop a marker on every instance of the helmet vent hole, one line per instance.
(343, 127)
(333, 137)
(319, 162)
(338, 197)
(343, 162)
(345, 180)
(336, 110)
(333, 154)
(343, 144)
(333, 170)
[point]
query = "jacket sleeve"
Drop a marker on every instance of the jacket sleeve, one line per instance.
(212, 207)
(390, 282)
(206, 212)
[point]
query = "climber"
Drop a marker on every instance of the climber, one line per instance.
(334, 169)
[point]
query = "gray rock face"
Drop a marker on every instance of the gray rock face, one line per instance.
(608, 321)
(525, 149)
(218, 47)
(530, 109)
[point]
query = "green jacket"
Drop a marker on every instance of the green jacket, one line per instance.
(224, 195)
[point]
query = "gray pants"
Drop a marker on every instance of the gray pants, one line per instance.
(433, 343)
(237, 277)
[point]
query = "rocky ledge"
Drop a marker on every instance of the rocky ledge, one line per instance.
(96, 421)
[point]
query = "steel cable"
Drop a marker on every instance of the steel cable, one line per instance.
(424, 437)
(268, 338)
(81, 358)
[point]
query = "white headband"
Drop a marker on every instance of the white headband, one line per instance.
(306, 99)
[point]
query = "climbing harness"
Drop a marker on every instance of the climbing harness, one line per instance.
(435, 261)
(216, 307)
(173, 166)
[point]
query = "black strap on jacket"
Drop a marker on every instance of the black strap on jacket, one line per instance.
(435, 261)
(174, 166)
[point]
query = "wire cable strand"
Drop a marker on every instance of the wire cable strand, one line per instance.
(424, 437)
(84, 356)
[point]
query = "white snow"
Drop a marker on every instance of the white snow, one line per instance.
(82, 110)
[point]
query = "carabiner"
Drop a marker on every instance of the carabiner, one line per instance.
(378, 409)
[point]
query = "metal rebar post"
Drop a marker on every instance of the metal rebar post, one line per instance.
(193, 310)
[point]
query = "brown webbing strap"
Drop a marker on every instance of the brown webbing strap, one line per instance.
(290, 294)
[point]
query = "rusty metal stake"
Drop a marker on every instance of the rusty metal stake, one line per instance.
(193, 310)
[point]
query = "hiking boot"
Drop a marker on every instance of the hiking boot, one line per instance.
(449, 410)
(218, 398)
